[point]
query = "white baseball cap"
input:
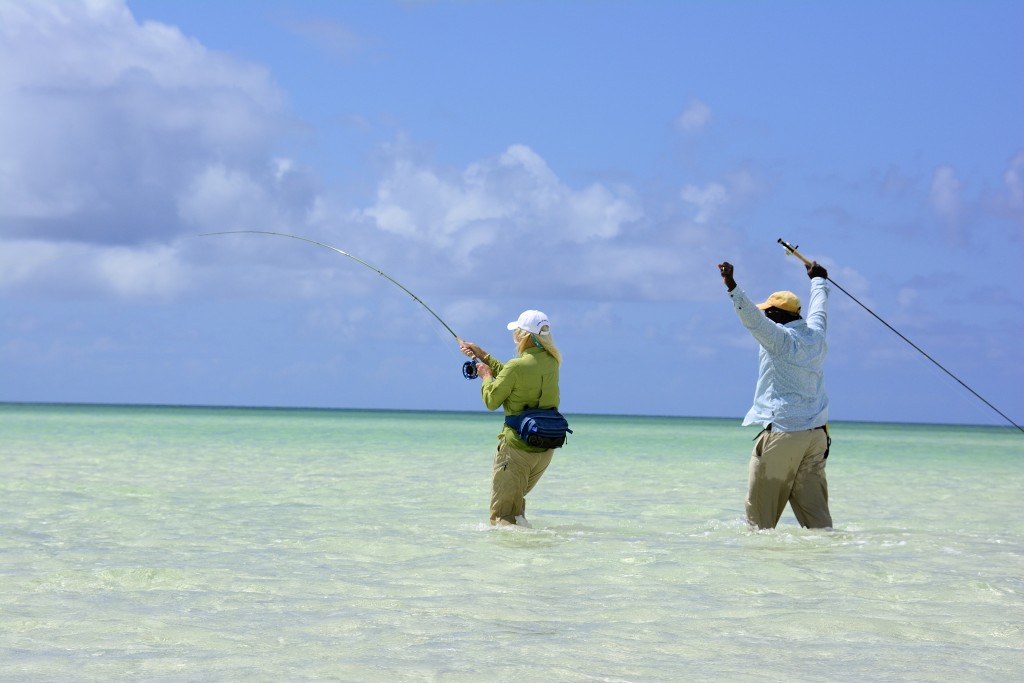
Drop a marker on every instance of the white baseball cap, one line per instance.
(531, 321)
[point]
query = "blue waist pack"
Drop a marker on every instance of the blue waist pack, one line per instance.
(540, 427)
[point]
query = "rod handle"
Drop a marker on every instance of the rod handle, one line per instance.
(790, 249)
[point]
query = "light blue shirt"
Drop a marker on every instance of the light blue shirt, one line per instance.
(790, 393)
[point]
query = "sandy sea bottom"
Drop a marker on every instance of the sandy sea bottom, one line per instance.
(173, 544)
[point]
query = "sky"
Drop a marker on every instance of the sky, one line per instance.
(594, 160)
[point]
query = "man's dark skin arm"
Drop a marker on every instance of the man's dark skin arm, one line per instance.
(725, 269)
(816, 270)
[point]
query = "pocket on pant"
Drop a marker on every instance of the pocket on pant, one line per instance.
(501, 459)
(761, 440)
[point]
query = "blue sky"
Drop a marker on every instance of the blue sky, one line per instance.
(594, 160)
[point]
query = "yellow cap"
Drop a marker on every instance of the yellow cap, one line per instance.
(787, 301)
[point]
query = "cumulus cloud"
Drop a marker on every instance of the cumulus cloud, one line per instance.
(511, 196)
(706, 201)
(945, 195)
(79, 269)
(706, 204)
(694, 117)
(644, 271)
(221, 197)
(1013, 178)
(907, 296)
(596, 241)
(107, 121)
(119, 138)
(116, 136)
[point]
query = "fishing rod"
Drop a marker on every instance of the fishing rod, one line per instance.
(468, 368)
(792, 251)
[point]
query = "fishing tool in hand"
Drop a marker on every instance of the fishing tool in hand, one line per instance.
(468, 368)
(792, 251)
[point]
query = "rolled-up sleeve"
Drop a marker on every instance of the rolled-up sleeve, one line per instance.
(496, 390)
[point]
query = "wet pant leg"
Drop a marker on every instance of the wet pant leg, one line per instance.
(788, 467)
(514, 474)
(809, 498)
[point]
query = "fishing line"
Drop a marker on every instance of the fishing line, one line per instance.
(468, 368)
(792, 251)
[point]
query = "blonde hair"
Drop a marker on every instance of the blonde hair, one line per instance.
(525, 340)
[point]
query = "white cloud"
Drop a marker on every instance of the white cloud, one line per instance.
(945, 193)
(105, 121)
(511, 196)
(78, 269)
(639, 269)
(597, 241)
(117, 137)
(145, 272)
(695, 116)
(220, 197)
(907, 296)
(706, 200)
(1013, 177)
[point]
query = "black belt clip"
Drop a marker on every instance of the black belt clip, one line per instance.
(766, 429)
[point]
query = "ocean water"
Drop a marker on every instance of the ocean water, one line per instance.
(214, 544)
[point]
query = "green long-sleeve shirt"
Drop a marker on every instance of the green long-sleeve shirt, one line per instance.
(530, 381)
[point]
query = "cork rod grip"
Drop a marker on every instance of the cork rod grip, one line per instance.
(790, 249)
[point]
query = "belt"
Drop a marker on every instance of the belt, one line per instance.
(824, 428)
(769, 428)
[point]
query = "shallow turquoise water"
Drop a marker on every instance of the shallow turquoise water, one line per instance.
(264, 545)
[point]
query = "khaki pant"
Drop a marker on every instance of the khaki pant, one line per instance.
(788, 467)
(515, 474)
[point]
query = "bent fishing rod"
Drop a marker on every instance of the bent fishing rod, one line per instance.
(792, 251)
(468, 368)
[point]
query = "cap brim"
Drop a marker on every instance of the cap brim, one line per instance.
(514, 325)
(764, 306)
